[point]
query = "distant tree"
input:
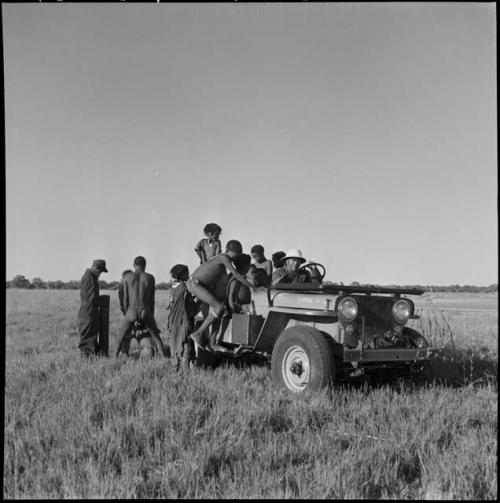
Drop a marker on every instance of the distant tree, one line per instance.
(55, 285)
(72, 284)
(113, 285)
(8, 284)
(355, 283)
(20, 281)
(38, 283)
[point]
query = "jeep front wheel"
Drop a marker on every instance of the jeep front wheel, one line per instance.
(302, 359)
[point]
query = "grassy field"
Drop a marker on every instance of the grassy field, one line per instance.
(110, 428)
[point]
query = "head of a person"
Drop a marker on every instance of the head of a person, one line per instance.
(251, 273)
(293, 259)
(126, 273)
(242, 263)
(140, 263)
(277, 258)
(180, 272)
(257, 252)
(212, 231)
(261, 278)
(98, 267)
(233, 248)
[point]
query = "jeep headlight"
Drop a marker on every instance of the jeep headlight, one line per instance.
(401, 311)
(348, 309)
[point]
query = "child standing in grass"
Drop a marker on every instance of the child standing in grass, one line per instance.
(209, 246)
(181, 309)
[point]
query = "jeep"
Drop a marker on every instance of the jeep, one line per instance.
(316, 333)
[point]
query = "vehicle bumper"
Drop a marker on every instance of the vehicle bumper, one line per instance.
(387, 355)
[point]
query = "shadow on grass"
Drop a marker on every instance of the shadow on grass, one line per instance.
(208, 359)
(449, 368)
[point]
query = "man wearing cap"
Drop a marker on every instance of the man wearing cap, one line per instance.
(290, 271)
(88, 315)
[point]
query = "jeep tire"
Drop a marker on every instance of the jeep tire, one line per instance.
(414, 337)
(302, 359)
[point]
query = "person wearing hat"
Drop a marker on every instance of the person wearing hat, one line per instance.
(290, 271)
(88, 315)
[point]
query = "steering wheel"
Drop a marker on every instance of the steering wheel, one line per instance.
(320, 267)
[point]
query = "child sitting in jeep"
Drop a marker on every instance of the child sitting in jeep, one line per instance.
(239, 294)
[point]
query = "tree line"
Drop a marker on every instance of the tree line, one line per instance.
(21, 281)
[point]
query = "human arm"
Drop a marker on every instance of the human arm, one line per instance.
(88, 292)
(119, 344)
(152, 297)
(279, 276)
(125, 296)
(159, 345)
(218, 247)
(200, 251)
(231, 295)
(120, 298)
(235, 273)
(268, 267)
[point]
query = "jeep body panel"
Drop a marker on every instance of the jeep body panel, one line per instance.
(283, 306)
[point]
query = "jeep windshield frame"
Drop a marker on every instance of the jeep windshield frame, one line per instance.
(345, 289)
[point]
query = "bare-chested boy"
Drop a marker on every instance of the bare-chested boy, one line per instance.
(203, 282)
(210, 246)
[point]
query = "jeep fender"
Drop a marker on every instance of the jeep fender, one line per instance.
(280, 318)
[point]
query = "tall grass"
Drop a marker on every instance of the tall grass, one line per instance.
(109, 428)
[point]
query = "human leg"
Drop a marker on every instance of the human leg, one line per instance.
(134, 348)
(147, 348)
(216, 308)
(149, 322)
(88, 336)
(124, 329)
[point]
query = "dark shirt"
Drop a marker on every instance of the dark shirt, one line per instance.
(89, 295)
(181, 311)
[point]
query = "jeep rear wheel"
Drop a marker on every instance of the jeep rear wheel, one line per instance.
(302, 359)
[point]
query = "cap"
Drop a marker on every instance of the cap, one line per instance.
(100, 265)
(294, 253)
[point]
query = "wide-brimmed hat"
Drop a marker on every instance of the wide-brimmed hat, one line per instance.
(293, 253)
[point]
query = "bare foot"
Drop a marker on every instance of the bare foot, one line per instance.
(218, 347)
(198, 340)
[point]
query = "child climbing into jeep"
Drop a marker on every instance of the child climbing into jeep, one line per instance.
(203, 282)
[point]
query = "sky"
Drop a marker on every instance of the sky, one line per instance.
(362, 134)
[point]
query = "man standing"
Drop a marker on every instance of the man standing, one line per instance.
(88, 315)
(139, 303)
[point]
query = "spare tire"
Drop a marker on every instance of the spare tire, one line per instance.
(302, 359)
